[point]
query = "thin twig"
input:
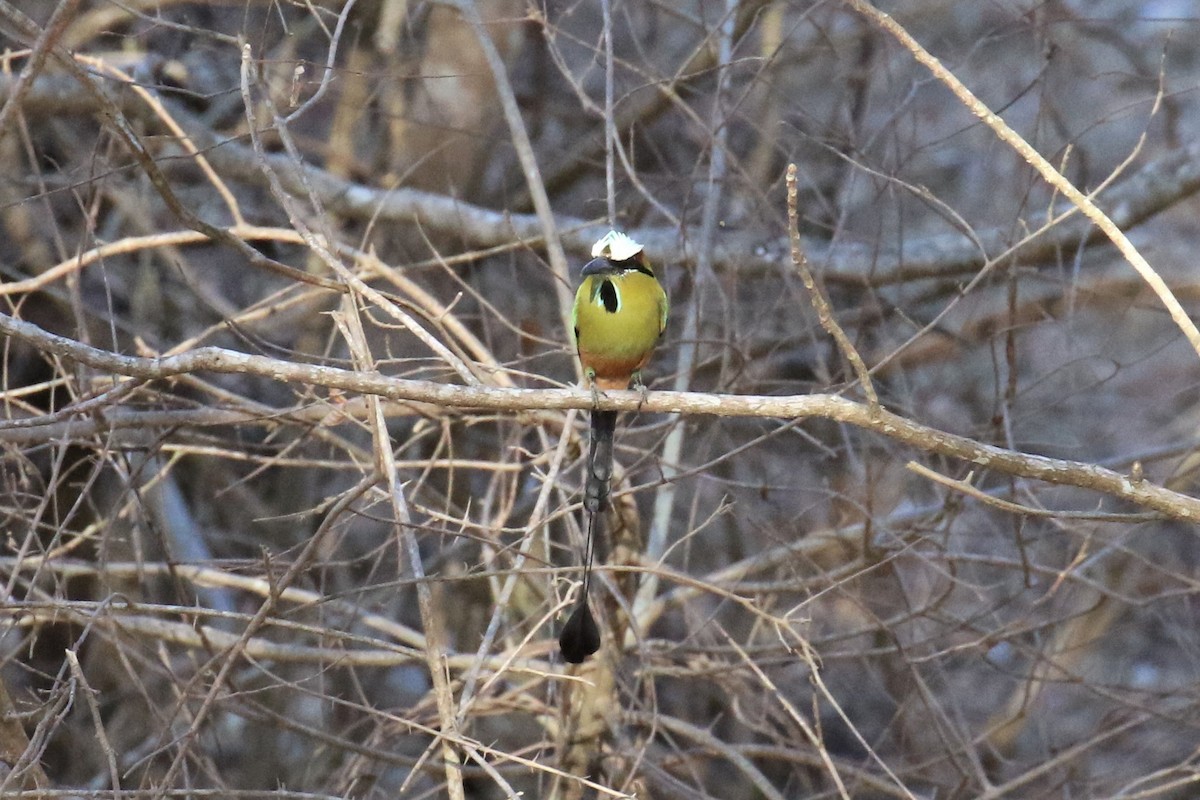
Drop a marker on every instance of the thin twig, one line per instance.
(642, 107)
(537, 521)
(1038, 162)
(117, 121)
(89, 699)
(709, 742)
(41, 47)
(163, 115)
(320, 245)
(431, 616)
(820, 303)
(529, 165)
(1017, 508)
(335, 40)
(610, 127)
(811, 734)
(15, 747)
(664, 501)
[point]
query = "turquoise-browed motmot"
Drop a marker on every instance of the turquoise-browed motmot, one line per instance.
(620, 311)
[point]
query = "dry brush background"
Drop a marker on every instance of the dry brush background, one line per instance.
(337, 569)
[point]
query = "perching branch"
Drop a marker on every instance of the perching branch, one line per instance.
(816, 406)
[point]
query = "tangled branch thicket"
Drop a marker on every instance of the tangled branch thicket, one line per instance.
(292, 458)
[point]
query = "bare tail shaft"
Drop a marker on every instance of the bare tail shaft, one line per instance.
(600, 462)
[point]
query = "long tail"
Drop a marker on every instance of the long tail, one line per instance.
(580, 637)
(600, 462)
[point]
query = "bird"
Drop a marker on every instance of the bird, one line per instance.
(620, 313)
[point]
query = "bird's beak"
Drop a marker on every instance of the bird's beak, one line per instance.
(596, 266)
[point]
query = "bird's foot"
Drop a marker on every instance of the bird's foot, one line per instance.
(640, 388)
(590, 380)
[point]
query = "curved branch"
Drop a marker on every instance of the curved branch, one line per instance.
(822, 406)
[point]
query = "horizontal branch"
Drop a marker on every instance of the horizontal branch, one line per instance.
(819, 406)
(1146, 191)
(1155, 187)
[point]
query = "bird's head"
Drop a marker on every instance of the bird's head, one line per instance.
(615, 252)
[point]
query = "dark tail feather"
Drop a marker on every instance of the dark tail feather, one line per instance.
(600, 462)
(580, 637)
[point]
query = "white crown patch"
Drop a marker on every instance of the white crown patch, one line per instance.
(616, 246)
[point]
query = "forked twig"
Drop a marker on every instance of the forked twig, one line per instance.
(1038, 162)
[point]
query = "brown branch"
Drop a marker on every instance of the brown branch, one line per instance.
(15, 748)
(41, 48)
(820, 303)
(23, 28)
(215, 359)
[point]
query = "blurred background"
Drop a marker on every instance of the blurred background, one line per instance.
(823, 622)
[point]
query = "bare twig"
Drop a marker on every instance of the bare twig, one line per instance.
(40, 48)
(820, 303)
(809, 732)
(704, 738)
(431, 616)
(643, 107)
(664, 501)
(1038, 162)
(610, 125)
(1145, 192)
(14, 747)
(89, 698)
(533, 179)
(1016, 508)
